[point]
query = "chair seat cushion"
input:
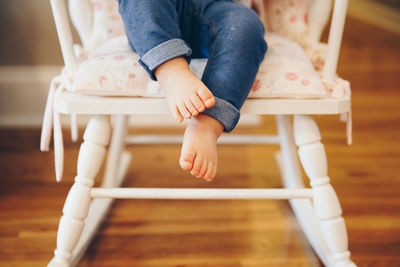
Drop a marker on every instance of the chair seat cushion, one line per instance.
(113, 70)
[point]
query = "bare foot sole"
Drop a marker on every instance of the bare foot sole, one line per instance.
(186, 94)
(199, 149)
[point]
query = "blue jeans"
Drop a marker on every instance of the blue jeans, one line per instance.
(229, 34)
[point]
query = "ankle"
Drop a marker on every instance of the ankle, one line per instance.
(171, 67)
(207, 123)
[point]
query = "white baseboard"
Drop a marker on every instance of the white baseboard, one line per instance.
(23, 94)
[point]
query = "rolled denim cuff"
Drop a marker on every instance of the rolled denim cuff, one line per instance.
(225, 113)
(163, 52)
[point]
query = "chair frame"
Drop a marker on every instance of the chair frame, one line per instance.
(317, 209)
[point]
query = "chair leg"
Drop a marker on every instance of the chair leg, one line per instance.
(115, 170)
(326, 204)
(77, 204)
(116, 164)
(289, 166)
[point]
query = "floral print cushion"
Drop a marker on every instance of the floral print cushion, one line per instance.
(286, 72)
(107, 23)
(288, 18)
(113, 70)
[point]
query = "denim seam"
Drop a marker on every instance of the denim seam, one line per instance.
(212, 25)
(196, 9)
(176, 19)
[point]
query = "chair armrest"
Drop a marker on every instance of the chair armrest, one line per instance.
(64, 35)
(335, 39)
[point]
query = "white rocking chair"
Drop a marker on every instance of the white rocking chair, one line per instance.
(317, 208)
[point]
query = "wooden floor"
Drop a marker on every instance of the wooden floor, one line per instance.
(226, 233)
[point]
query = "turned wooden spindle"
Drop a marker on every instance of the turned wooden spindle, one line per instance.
(326, 204)
(115, 151)
(77, 204)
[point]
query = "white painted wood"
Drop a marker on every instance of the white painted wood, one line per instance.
(115, 151)
(326, 204)
(74, 127)
(99, 208)
(58, 146)
(98, 211)
(124, 165)
(290, 161)
(304, 211)
(315, 153)
(306, 131)
(64, 35)
(166, 120)
(224, 139)
(21, 107)
(81, 12)
(88, 165)
(319, 14)
(76, 206)
(69, 103)
(194, 193)
(335, 40)
(289, 167)
(98, 130)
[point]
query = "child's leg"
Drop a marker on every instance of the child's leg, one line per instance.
(236, 52)
(237, 48)
(152, 27)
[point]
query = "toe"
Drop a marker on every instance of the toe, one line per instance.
(209, 174)
(214, 170)
(196, 166)
(189, 105)
(177, 114)
(197, 103)
(206, 96)
(203, 169)
(186, 160)
(183, 110)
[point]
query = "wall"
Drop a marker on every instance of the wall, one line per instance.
(28, 33)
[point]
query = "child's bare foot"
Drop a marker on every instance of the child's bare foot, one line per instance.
(186, 94)
(199, 149)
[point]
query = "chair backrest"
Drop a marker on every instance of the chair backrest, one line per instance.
(297, 19)
(300, 20)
